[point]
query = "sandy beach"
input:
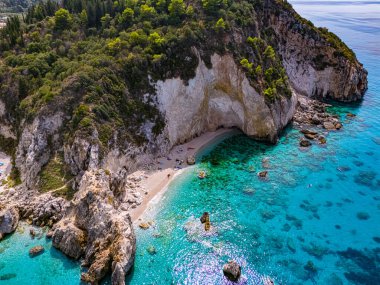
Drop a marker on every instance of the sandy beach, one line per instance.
(155, 182)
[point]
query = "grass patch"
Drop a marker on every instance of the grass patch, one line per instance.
(55, 177)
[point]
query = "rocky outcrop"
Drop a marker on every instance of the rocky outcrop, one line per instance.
(96, 229)
(232, 270)
(314, 66)
(9, 218)
(33, 149)
(220, 97)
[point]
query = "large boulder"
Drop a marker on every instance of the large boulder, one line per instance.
(70, 240)
(9, 218)
(97, 229)
(232, 270)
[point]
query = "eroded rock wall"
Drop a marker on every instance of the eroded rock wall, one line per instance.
(220, 97)
(315, 68)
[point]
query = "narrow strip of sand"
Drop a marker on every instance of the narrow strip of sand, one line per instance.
(155, 182)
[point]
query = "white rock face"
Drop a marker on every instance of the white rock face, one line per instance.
(33, 151)
(220, 97)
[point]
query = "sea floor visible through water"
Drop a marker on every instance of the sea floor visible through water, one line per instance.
(314, 220)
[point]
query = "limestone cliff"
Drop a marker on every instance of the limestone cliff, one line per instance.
(104, 122)
(318, 64)
(220, 97)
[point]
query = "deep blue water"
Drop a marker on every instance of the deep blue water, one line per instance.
(315, 220)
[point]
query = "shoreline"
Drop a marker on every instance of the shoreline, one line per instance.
(156, 182)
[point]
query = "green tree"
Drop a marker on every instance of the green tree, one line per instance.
(269, 53)
(63, 19)
(220, 24)
(177, 9)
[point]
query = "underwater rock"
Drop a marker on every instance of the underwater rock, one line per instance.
(365, 178)
(322, 140)
(286, 227)
(151, 250)
(37, 250)
(350, 115)
(376, 140)
(343, 168)
(265, 162)
(305, 143)
(310, 267)
(358, 163)
(376, 239)
(267, 215)
(232, 270)
(362, 216)
(315, 250)
(290, 244)
(7, 276)
(333, 279)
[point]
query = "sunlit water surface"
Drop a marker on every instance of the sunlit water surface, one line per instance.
(315, 220)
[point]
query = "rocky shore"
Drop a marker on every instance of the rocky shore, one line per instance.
(96, 225)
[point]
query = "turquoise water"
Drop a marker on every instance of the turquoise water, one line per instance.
(51, 267)
(321, 205)
(315, 220)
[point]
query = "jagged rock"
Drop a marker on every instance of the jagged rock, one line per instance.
(308, 132)
(32, 233)
(338, 126)
(232, 270)
(263, 174)
(37, 250)
(310, 136)
(205, 217)
(100, 233)
(70, 240)
(329, 126)
(322, 140)
(9, 218)
(199, 106)
(305, 143)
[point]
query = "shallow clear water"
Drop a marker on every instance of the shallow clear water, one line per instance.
(51, 267)
(320, 205)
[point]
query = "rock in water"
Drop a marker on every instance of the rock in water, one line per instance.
(205, 217)
(329, 126)
(310, 136)
(95, 230)
(37, 250)
(305, 143)
(9, 218)
(144, 226)
(322, 140)
(232, 270)
(263, 174)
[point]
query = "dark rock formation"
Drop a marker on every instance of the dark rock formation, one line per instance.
(37, 250)
(232, 270)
